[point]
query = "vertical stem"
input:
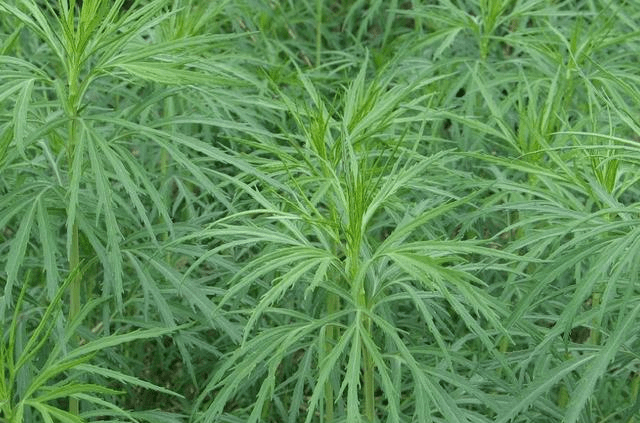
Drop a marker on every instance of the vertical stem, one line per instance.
(72, 142)
(503, 346)
(74, 260)
(369, 383)
(635, 387)
(169, 110)
(359, 291)
(417, 20)
(74, 254)
(594, 336)
(367, 359)
(333, 305)
(563, 397)
(319, 5)
(74, 301)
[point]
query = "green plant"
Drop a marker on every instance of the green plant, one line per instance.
(38, 370)
(77, 116)
(346, 237)
(343, 211)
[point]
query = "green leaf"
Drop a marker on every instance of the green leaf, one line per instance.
(121, 377)
(540, 387)
(18, 250)
(113, 340)
(625, 328)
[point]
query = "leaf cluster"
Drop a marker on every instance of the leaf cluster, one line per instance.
(314, 211)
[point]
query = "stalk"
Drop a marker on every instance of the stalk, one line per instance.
(369, 383)
(73, 103)
(417, 19)
(563, 397)
(333, 305)
(76, 284)
(635, 387)
(503, 346)
(367, 359)
(74, 253)
(359, 293)
(75, 287)
(594, 336)
(169, 110)
(319, 5)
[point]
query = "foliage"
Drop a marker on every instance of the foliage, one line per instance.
(313, 211)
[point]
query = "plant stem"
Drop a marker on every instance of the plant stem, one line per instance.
(594, 336)
(563, 397)
(367, 359)
(333, 305)
(74, 253)
(503, 346)
(369, 383)
(635, 387)
(74, 301)
(359, 291)
(319, 5)
(74, 261)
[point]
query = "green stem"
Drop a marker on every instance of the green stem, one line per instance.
(369, 383)
(319, 6)
(75, 287)
(74, 301)
(594, 336)
(74, 254)
(74, 261)
(503, 346)
(417, 19)
(635, 387)
(563, 397)
(333, 305)
(360, 296)
(367, 359)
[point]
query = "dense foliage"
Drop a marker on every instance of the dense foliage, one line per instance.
(319, 211)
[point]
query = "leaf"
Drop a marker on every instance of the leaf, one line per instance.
(113, 340)
(113, 272)
(40, 334)
(539, 387)
(48, 412)
(20, 115)
(17, 251)
(625, 328)
(121, 377)
(62, 390)
(49, 248)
